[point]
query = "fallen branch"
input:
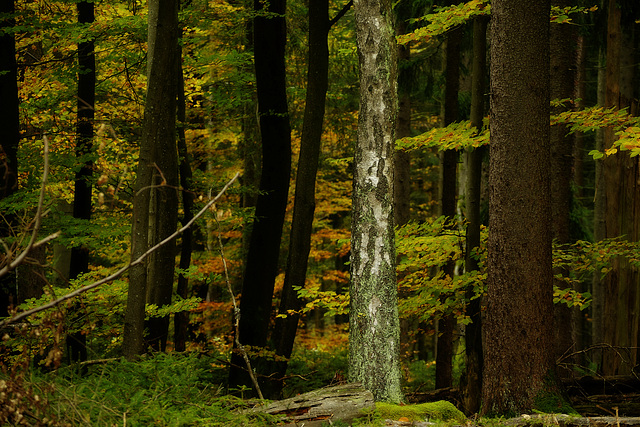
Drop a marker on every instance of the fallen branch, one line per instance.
(124, 269)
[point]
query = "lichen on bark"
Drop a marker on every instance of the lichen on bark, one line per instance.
(374, 325)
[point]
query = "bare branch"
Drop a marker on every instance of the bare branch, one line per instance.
(38, 218)
(120, 272)
(236, 315)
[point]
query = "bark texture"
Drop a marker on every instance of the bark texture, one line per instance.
(518, 339)
(374, 333)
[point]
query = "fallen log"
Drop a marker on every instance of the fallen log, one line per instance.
(342, 402)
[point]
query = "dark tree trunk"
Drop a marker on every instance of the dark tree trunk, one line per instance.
(77, 341)
(158, 154)
(285, 328)
(446, 324)
(164, 50)
(472, 388)
(562, 60)
(402, 158)
(264, 248)
(9, 137)
(518, 340)
(621, 320)
(181, 319)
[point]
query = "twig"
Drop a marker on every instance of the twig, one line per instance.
(38, 218)
(236, 315)
(120, 272)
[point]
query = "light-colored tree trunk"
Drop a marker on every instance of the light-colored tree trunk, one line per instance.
(374, 332)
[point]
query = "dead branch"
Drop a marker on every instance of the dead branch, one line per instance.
(38, 220)
(124, 269)
(236, 315)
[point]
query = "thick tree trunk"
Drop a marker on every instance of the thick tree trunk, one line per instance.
(158, 158)
(562, 60)
(264, 248)
(9, 137)
(374, 332)
(518, 339)
(284, 332)
(472, 387)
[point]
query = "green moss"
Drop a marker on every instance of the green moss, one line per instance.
(553, 403)
(441, 410)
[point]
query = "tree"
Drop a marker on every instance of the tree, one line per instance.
(157, 171)
(562, 63)
(473, 331)
(449, 165)
(77, 341)
(518, 327)
(621, 317)
(9, 136)
(285, 328)
(264, 247)
(374, 331)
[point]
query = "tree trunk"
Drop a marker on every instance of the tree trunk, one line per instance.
(157, 160)
(284, 332)
(622, 200)
(181, 319)
(374, 332)
(264, 248)
(562, 60)
(472, 388)
(9, 137)
(402, 158)
(517, 333)
(77, 341)
(446, 324)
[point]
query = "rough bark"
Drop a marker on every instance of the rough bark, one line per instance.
(284, 332)
(158, 155)
(472, 390)
(374, 334)
(9, 137)
(518, 340)
(621, 320)
(562, 60)
(264, 248)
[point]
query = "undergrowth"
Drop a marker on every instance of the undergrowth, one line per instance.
(163, 390)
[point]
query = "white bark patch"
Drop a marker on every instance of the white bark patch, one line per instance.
(374, 305)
